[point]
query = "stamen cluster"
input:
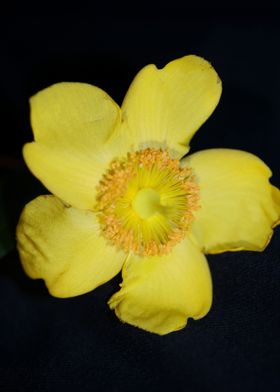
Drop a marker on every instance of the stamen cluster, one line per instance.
(178, 195)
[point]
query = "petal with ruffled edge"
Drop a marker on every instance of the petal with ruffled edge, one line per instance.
(63, 246)
(163, 108)
(160, 293)
(71, 124)
(239, 206)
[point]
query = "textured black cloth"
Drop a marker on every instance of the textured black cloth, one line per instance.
(77, 344)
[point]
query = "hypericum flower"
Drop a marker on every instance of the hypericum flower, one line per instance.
(125, 198)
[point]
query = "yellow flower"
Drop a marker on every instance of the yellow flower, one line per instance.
(125, 198)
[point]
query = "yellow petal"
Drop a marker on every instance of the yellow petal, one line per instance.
(71, 177)
(239, 206)
(165, 107)
(71, 124)
(158, 294)
(74, 115)
(63, 246)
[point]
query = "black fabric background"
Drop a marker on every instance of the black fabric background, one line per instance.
(77, 344)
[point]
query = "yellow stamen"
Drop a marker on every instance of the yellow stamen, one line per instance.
(146, 201)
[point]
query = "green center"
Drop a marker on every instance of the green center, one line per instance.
(146, 203)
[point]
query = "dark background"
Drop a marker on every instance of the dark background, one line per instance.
(47, 344)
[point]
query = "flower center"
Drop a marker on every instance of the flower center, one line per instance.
(146, 201)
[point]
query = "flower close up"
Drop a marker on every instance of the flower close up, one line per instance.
(124, 195)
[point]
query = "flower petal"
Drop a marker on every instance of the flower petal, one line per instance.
(158, 294)
(165, 107)
(77, 115)
(239, 206)
(62, 245)
(71, 177)
(71, 124)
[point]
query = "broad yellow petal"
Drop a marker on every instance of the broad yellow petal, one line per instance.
(239, 206)
(71, 177)
(158, 294)
(71, 124)
(63, 246)
(74, 115)
(165, 107)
